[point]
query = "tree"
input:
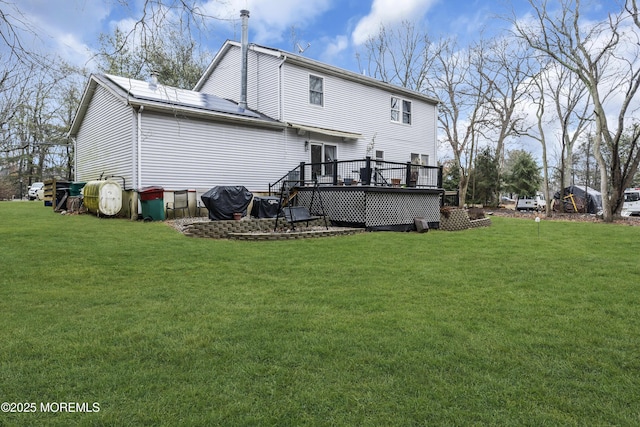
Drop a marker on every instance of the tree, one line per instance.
(13, 27)
(604, 57)
(523, 175)
(402, 56)
(464, 111)
(569, 99)
(450, 176)
(486, 178)
(507, 68)
(480, 87)
(176, 58)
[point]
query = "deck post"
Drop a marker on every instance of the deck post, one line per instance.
(367, 174)
(302, 174)
(335, 172)
(407, 178)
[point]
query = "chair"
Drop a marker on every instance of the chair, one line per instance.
(180, 202)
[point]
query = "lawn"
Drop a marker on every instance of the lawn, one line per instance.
(489, 326)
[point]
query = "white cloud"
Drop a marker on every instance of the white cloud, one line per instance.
(74, 51)
(389, 12)
(334, 48)
(62, 26)
(80, 17)
(270, 20)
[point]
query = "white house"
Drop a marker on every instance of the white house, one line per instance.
(248, 131)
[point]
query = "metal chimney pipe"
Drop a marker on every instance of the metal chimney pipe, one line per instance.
(244, 15)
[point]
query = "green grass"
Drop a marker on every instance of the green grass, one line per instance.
(491, 326)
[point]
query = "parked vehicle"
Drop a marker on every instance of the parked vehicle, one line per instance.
(631, 204)
(35, 191)
(531, 203)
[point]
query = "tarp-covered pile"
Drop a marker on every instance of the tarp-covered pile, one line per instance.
(578, 199)
(223, 202)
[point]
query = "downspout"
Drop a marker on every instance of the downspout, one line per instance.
(244, 14)
(281, 102)
(75, 159)
(139, 178)
(281, 89)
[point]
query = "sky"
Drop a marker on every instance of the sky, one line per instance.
(332, 31)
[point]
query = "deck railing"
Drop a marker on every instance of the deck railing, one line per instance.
(361, 172)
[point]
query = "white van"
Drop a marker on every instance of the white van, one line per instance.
(631, 204)
(531, 203)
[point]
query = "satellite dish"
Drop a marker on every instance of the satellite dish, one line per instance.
(300, 49)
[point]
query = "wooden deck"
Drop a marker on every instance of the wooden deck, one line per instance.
(375, 208)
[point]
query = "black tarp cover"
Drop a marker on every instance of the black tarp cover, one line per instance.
(265, 207)
(589, 201)
(223, 201)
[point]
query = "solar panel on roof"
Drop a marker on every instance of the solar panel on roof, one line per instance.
(175, 96)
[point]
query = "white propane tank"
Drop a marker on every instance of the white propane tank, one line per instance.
(103, 197)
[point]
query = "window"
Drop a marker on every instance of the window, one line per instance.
(406, 112)
(379, 155)
(400, 110)
(395, 109)
(316, 90)
(631, 197)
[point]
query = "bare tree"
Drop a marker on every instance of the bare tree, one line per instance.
(14, 26)
(570, 112)
(538, 98)
(604, 56)
(176, 58)
(164, 38)
(507, 67)
(463, 92)
(402, 55)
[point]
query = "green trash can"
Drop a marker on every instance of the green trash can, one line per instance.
(152, 203)
(75, 188)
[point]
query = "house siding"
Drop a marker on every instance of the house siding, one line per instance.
(185, 153)
(105, 140)
(224, 81)
(353, 107)
(262, 81)
(281, 90)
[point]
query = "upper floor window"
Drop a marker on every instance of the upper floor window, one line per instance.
(400, 110)
(316, 90)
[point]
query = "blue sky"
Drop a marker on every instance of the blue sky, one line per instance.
(335, 29)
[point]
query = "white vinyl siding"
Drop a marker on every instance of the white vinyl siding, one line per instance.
(105, 141)
(180, 153)
(353, 107)
(262, 81)
(348, 105)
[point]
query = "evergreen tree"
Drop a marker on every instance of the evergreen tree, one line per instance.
(485, 178)
(523, 177)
